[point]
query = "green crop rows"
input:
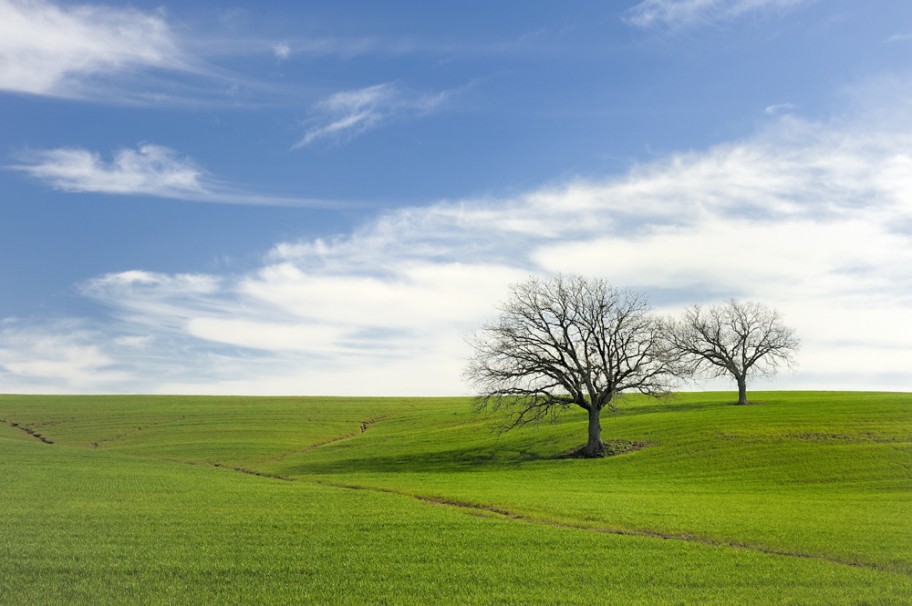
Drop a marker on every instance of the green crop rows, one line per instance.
(805, 498)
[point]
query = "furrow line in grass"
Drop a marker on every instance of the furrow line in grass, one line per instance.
(487, 510)
(125, 434)
(362, 428)
(27, 430)
(251, 472)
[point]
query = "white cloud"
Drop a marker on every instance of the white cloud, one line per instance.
(281, 51)
(898, 38)
(685, 13)
(66, 51)
(266, 335)
(347, 114)
(62, 357)
(778, 108)
(785, 263)
(148, 170)
(814, 219)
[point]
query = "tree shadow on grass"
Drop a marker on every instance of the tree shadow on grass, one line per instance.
(449, 461)
(455, 460)
(491, 456)
(612, 448)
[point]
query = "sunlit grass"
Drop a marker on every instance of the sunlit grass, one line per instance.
(805, 498)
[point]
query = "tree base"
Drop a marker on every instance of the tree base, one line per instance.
(609, 449)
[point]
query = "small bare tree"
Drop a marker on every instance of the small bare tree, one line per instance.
(734, 339)
(569, 341)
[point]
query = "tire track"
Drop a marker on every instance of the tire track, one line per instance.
(499, 512)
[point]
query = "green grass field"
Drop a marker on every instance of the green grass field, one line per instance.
(805, 498)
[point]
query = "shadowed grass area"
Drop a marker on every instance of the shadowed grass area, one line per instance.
(805, 498)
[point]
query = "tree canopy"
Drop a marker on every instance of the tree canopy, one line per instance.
(568, 341)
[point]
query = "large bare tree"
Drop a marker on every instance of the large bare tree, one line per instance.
(734, 339)
(568, 341)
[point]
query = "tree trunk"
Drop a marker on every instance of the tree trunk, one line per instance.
(742, 390)
(595, 446)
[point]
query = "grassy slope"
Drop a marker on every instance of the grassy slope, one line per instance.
(803, 499)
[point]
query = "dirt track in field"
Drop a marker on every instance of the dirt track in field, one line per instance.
(501, 513)
(27, 430)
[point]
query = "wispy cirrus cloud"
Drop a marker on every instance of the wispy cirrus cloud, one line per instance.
(347, 114)
(119, 55)
(685, 13)
(898, 38)
(147, 170)
(778, 108)
(75, 50)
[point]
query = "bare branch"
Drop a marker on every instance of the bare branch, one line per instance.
(740, 340)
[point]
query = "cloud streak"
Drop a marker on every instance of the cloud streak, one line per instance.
(347, 114)
(676, 14)
(898, 38)
(148, 170)
(778, 108)
(125, 56)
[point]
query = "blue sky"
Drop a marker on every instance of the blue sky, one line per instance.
(326, 198)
